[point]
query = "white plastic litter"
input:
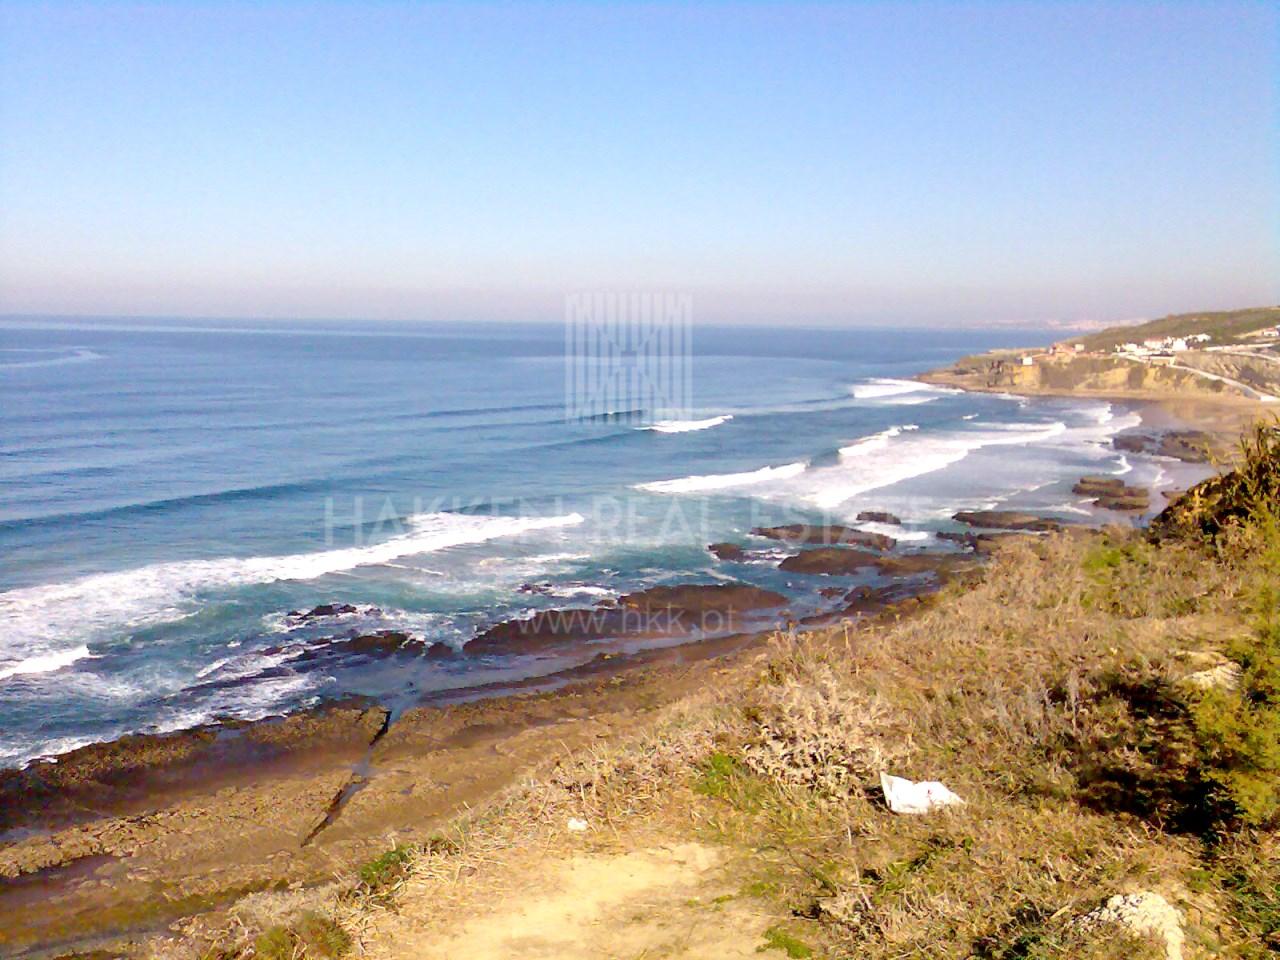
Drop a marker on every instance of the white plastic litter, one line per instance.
(577, 826)
(907, 796)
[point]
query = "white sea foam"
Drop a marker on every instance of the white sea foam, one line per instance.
(556, 557)
(892, 530)
(875, 441)
(44, 663)
(205, 671)
(42, 622)
(62, 356)
(895, 459)
(580, 590)
(880, 387)
(724, 481)
(911, 400)
(686, 426)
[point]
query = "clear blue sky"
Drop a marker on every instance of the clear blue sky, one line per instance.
(833, 163)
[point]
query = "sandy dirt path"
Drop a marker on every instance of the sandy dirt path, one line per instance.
(678, 901)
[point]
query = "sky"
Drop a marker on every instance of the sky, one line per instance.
(859, 163)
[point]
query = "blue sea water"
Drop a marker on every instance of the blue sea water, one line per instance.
(170, 491)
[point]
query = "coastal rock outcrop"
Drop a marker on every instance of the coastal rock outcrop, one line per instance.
(326, 610)
(1111, 493)
(983, 544)
(731, 552)
(1007, 520)
(879, 516)
(829, 561)
(677, 610)
(701, 597)
(942, 565)
(797, 534)
(1189, 446)
(115, 776)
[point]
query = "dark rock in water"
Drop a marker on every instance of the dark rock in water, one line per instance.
(383, 643)
(829, 561)
(728, 551)
(1110, 493)
(1125, 502)
(830, 593)
(830, 534)
(1007, 520)
(1190, 446)
(542, 588)
(963, 538)
(1134, 442)
(546, 627)
(325, 610)
(1098, 486)
(877, 516)
(699, 597)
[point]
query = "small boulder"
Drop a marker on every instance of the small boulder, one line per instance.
(727, 551)
(1224, 676)
(1143, 914)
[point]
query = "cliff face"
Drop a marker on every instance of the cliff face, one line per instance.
(1090, 374)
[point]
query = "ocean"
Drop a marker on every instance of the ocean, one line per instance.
(170, 492)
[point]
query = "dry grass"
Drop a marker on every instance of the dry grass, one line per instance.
(1045, 693)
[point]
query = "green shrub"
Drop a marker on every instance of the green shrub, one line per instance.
(274, 943)
(1239, 730)
(775, 938)
(323, 939)
(1214, 506)
(717, 775)
(386, 869)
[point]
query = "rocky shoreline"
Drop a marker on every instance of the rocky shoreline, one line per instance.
(120, 837)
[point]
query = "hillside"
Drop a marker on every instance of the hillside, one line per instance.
(1165, 359)
(1224, 326)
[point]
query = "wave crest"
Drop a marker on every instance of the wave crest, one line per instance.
(687, 426)
(723, 481)
(41, 620)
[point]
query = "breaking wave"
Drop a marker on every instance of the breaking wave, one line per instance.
(724, 481)
(687, 426)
